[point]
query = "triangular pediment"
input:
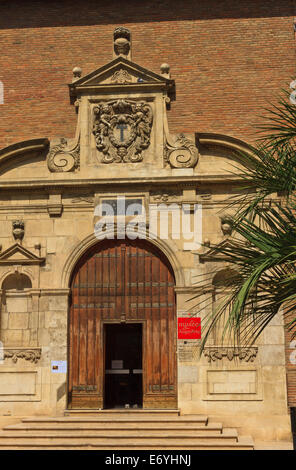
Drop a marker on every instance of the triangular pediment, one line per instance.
(17, 254)
(214, 253)
(120, 72)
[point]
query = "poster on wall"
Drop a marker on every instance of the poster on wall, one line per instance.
(189, 328)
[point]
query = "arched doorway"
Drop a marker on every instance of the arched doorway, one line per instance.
(122, 304)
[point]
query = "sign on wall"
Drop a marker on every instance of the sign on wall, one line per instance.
(59, 367)
(189, 328)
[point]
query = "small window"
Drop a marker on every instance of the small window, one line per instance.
(17, 281)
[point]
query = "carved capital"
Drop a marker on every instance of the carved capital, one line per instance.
(63, 159)
(183, 154)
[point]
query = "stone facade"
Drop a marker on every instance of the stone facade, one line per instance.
(50, 189)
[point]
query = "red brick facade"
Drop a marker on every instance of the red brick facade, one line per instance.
(229, 59)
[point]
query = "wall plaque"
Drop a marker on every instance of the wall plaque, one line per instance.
(188, 350)
(59, 367)
(189, 328)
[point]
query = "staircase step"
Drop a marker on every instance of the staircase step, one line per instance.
(242, 444)
(201, 419)
(126, 412)
(112, 427)
(121, 432)
(87, 435)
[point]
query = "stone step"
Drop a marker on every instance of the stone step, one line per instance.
(243, 443)
(123, 411)
(118, 427)
(103, 436)
(201, 419)
(130, 433)
(121, 432)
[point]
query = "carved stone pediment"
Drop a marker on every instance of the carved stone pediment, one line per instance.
(123, 74)
(122, 118)
(19, 255)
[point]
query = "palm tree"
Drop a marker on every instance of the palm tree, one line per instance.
(263, 248)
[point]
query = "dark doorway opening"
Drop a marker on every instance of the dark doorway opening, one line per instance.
(123, 366)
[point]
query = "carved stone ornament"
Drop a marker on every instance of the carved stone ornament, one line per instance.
(63, 159)
(183, 154)
(31, 355)
(214, 353)
(226, 225)
(165, 196)
(121, 76)
(122, 41)
(18, 229)
(122, 130)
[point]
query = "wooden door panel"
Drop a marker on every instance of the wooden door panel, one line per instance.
(122, 281)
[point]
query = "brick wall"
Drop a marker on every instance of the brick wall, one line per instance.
(229, 59)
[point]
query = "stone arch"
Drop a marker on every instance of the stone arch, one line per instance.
(167, 247)
(16, 281)
(122, 281)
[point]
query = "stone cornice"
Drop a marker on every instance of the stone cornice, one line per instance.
(179, 180)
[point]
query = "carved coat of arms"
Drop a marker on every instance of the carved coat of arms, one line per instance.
(122, 130)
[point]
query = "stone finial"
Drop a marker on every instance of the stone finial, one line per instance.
(18, 229)
(226, 225)
(165, 70)
(76, 73)
(122, 42)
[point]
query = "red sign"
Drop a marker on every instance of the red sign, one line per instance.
(189, 328)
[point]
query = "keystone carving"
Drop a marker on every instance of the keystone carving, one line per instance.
(214, 353)
(182, 154)
(122, 130)
(63, 159)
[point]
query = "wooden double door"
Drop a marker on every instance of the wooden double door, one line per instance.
(122, 328)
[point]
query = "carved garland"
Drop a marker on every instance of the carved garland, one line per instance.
(31, 355)
(247, 354)
(63, 159)
(122, 130)
(183, 154)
